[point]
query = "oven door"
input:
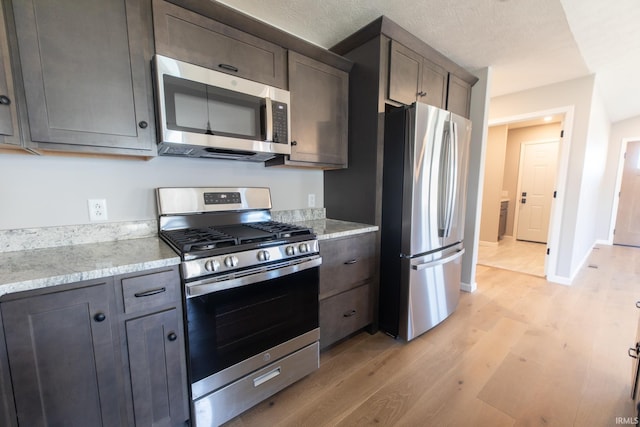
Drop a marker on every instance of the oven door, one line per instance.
(234, 331)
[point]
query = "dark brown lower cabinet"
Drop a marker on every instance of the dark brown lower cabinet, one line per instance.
(106, 352)
(62, 357)
(346, 275)
(344, 314)
(156, 364)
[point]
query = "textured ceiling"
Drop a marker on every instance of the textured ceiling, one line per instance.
(528, 43)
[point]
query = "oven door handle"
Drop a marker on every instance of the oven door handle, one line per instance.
(203, 287)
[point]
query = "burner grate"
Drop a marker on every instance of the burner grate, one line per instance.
(280, 229)
(199, 239)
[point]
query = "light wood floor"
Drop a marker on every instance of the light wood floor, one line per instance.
(514, 255)
(518, 352)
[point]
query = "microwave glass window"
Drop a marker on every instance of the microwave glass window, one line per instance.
(196, 107)
(190, 111)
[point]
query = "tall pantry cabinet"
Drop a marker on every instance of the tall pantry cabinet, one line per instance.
(391, 68)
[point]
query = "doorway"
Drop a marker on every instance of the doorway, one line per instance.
(520, 169)
(536, 184)
(627, 227)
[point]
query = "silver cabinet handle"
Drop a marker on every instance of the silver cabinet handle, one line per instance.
(349, 313)
(638, 304)
(438, 261)
(266, 377)
(634, 350)
(351, 261)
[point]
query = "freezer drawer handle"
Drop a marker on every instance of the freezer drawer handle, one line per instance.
(439, 261)
(266, 377)
(633, 350)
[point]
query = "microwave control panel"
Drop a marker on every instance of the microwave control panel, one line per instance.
(280, 122)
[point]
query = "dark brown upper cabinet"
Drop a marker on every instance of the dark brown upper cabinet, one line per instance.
(86, 75)
(9, 129)
(188, 36)
(319, 114)
(459, 96)
(415, 78)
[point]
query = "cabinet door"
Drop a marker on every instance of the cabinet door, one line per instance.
(86, 78)
(405, 70)
(193, 38)
(459, 96)
(433, 90)
(8, 115)
(319, 111)
(158, 370)
(7, 406)
(62, 357)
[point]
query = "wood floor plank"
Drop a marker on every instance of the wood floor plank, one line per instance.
(520, 351)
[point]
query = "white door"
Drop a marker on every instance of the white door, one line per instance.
(627, 231)
(537, 183)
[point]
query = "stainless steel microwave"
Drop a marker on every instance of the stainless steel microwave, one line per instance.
(206, 113)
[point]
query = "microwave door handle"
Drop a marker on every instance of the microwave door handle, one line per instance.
(268, 120)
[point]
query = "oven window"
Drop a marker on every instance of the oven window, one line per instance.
(200, 108)
(226, 327)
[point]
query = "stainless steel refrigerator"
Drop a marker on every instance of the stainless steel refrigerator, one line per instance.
(423, 205)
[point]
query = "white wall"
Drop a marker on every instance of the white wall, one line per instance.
(628, 129)
(587, 221)
(577, 93)
(477, 151)
(41, 191)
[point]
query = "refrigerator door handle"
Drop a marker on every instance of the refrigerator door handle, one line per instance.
(438, 262)
(449, 177)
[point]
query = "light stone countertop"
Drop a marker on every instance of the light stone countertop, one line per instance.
(29, 268)
(333, 228)
(40, 268)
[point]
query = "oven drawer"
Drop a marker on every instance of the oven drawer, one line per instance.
(343, 314)
(228, 402)
(346, 263)
(151, 290)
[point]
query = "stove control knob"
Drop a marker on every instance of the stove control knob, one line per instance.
(263, 256)
(303, 248)
(212, 265)
(231, 261)
(290, 250)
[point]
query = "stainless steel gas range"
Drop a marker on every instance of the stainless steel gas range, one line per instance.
(250, 293)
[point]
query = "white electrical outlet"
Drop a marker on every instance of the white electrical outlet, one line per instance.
(97, 209)
(312, 200)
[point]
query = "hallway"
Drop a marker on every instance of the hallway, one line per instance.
(514, 255)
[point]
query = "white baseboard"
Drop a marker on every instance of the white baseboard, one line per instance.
(563, 280)
(604, 242)
(484, 243)
(466, 287)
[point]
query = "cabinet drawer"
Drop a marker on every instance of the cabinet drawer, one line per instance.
(344, 314)
(346, 263)
(190, 37)
(151, 290)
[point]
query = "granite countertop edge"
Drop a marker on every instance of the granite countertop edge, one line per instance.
(327, 228)
(47, 267)
(41, 268)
